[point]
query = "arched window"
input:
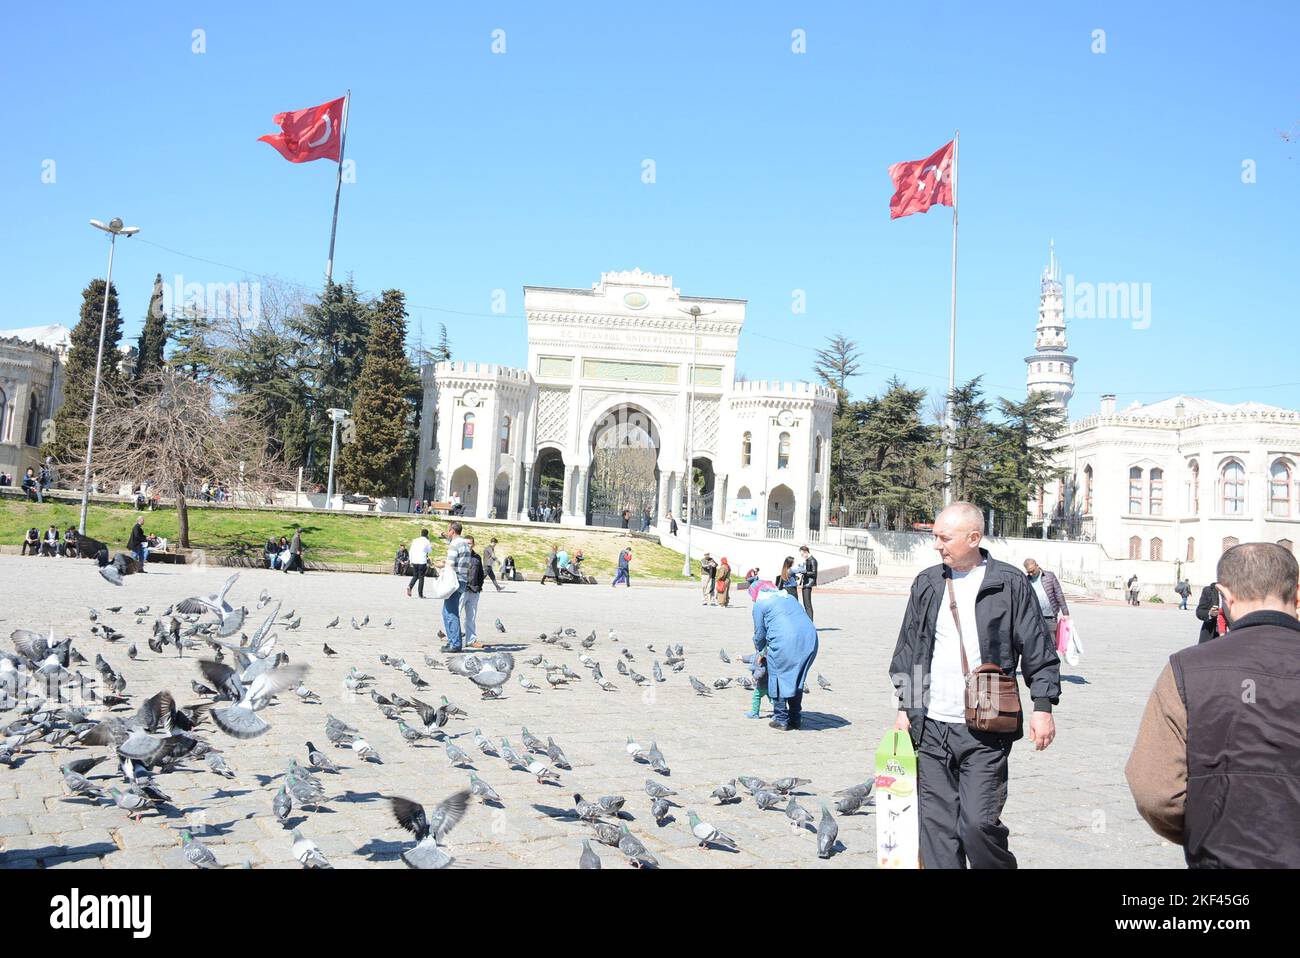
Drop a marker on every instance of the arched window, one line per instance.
(1135, 491)
(1087, 490)
(746, 449)
(4, 408)
(1191, 549)
(1157, 550)
(1135, 547)
(1286, 544)
(1194, 488)
(783, 451)
(1156, 494)
(467, 432)
(1229, 542)
(1232, 483)
(817, 458)
(34, 420)
(505, 434)
(1279, 489)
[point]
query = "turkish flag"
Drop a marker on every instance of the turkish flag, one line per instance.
(920, 184)
(312, 134)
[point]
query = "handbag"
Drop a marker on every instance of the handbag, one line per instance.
(445, 585)
(1075, 647)
(1064, 630)
(992, 699)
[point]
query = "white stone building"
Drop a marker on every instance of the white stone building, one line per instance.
(598, 421)
(31, 390)
(1166, 486)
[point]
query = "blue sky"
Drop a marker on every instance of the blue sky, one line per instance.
(479, 171)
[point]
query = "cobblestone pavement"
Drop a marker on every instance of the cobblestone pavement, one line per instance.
(1068, 806)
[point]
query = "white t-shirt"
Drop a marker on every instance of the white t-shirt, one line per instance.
(419, 551)
(947, 684)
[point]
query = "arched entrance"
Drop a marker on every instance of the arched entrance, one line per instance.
(624, 472)
(464, 482)
(780, 508)
(501, 497)
(702, 494)
(548, 479)
(815, 512)
(427, 491)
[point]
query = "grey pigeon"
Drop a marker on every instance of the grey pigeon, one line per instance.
(655, 790)
(589, 858)
(797, 813)
(500, 627)
(821, 680)
(556, 755)
(481, 789)
(637, 855)
(308, 855)
(699, 686)
(658, 673)
(766, 800)
(429, 828)
(725, 793)
(196, 853)
(606, 833)
(707, 835)
(282, 804)
(722, 654)
(660, 808)
(319, 759)
(332, 623)
(827, 832)
(787, 785)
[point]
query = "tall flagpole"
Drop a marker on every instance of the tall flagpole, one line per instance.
(338, 187)
(952, 336)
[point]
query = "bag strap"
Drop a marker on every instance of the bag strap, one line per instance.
(961, 641)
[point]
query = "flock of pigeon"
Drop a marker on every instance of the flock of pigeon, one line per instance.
(61, 708)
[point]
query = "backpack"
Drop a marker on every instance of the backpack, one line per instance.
(474, 581)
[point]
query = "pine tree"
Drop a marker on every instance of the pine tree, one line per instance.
(971, 443)
(442, 354)
(836, 362)
(899, 456)
(377, 460)
(72, 422)
(1021, 457)
(153, 337)
(191, 332)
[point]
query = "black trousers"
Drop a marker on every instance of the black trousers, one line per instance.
(807, 600)
(963, 786)
(487, 570)
(418, 572)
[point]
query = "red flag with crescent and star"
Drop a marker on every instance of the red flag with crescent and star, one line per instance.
(311, 134)
(920, 184)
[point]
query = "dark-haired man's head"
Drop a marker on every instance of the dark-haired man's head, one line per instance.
(1255, 576)
(424, 533)
(454, 527)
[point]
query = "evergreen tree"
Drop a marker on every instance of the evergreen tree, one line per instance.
(192, 335)
(377, 460)
(333, 334)
(1021, 454)
(971, 444)
(899, 456)
(153, 337)
(836, 362)
(260, 365)
(442, 354)
(72, 422)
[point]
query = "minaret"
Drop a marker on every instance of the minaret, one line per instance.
(1051, 370)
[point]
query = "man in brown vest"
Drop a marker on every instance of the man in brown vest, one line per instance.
(1215, 767)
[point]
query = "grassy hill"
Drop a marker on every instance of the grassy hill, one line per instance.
(340, 537)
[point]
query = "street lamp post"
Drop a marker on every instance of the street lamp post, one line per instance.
(695, 314)
(336, 416)
(114, 229)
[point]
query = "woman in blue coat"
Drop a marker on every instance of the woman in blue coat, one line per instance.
(782, 627)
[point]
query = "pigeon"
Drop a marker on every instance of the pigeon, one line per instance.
(263, 599)
(241, 720)
(848, 804)
(821, 680)
(305, 850)
(132, 802)
(218, 765)
(456, 756)
(660, 808)
(333, 623)
(282, 804)
(721, 683)
(655, 790)
(725, 793)
(637, 855)
(354, 623)
(707, 835)
(481, 789)
(532, 742)
(528, 685)
(365, 620)
(542, 772)
(827, 832)
(589, 858)
(767, 800)
(365, 751)
(612, 804)
(586, 811)
(388, 622)
(637, 677)
(621, 666)
(658, 673)
(228, 618)
(131, 652)
(787, 785)
(752, 784)
(196, 853)
(411, 735)
(328, 651)
(429, 829)
(722, 654)
(606, 833)
(556, 755)
(699, 686)
(484, 745)
(500, 627)
(78, 784)
(657, 761)
(797, 813)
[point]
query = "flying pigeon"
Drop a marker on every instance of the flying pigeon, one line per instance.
(429, 829)
(228, 618)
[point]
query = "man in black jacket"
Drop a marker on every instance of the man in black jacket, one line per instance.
(138, 544)
(808, 578)
(1207, 610)
(993, 615)
(1214, 765)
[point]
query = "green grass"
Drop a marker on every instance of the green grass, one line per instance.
(338, 538)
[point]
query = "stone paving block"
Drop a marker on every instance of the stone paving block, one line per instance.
(14, 824)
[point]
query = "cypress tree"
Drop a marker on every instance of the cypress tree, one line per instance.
(153, 337)
(377, 461)
(72, 422)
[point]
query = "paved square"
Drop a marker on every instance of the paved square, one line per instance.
(1068, 806)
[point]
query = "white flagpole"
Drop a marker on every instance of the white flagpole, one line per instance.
(338, 187)
(952, 337)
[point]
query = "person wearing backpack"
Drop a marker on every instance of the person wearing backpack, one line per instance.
(469, 599)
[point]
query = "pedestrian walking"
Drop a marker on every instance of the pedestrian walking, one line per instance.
(456, 564)
(1213, 769)
(709, 579)
(295, 553)
(624, 573)
(418, 561)
(552, 568)
(627, 518)
(489, 561)
(1183, 590)
(724, 583)
(672, 524)
(1047, 590)
(807, 578)
(969, 611)
(1132, 587)
(469, 598)
(1210, 611)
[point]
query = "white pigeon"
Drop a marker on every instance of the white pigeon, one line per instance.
(229, 619)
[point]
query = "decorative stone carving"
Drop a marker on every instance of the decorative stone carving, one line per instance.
(553, 415)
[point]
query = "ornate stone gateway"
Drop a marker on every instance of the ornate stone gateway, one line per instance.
(624, 468)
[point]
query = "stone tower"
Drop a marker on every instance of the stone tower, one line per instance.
(1051, 369)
